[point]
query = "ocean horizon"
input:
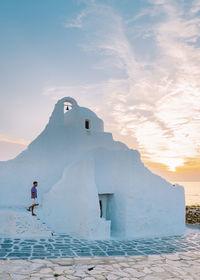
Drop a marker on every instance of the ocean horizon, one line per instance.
(192, 192)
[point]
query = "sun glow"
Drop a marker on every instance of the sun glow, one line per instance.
(167, 163)
(172, 163)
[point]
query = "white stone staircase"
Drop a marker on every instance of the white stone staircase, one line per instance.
(20, 223)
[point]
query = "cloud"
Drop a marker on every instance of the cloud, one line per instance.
(11, 140)
(77, 22)
(10, 147)
(155, 104)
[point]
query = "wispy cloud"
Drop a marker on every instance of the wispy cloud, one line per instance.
(155, 103)
(11, 140)
(78, 21)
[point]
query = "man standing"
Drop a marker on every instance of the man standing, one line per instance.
(34, 201)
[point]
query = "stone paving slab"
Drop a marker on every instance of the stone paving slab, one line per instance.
(65, 246)
(179, 266)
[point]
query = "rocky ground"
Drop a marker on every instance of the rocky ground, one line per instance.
(182, 266)
(193, 214)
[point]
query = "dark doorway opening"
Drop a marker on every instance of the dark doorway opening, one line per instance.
(101, 209)
(106, 205)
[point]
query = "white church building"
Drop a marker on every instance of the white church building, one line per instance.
(90, 185)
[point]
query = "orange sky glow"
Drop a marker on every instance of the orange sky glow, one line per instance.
(136, 65)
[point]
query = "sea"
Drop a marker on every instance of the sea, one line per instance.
(192, 192)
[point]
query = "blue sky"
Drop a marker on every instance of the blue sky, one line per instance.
(135, 63)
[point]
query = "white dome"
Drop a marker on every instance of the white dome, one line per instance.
(83, 119)
(87, 112)
(67, 112)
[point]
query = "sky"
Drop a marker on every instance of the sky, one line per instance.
(134, 62)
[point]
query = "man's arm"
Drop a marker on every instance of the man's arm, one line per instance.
(32, 195)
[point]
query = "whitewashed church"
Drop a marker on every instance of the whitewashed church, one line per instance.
(90, 185)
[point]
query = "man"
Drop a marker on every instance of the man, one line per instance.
(33, 198)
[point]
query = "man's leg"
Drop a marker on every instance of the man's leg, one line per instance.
(32, 208)
(29, 208)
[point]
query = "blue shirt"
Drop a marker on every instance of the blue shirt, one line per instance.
(34, 191)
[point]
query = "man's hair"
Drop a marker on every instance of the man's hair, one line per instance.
(35, 182)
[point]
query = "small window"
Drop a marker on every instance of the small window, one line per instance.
(87, 124)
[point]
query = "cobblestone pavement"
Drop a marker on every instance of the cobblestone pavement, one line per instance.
(182, 266)
(65, 246)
